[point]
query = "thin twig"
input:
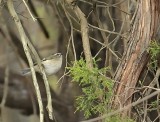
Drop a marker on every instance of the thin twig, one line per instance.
(104, 45)
(34, 19)
(26, 50)
(49, 104)
(5, 90)
(71, 25)
(124, 108)
(84, 33)
(112, 32)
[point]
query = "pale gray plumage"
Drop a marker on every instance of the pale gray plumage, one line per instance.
(51, 65)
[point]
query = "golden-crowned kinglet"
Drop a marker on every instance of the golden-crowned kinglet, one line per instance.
(51, 65)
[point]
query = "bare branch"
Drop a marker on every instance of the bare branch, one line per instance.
(26, 50)
(34, 19)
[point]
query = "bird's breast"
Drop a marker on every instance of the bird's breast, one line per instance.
(51, 67)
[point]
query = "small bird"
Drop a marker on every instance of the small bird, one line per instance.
(51, 64)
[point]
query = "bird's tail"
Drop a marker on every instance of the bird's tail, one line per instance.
(26, 71)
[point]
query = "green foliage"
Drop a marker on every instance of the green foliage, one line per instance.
(96, 88)
(154, 50)
(154, 105)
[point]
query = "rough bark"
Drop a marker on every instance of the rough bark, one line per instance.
(135, 56)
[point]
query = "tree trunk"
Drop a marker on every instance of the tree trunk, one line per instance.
(144, 30)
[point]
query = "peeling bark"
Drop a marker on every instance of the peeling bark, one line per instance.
(135, 57)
